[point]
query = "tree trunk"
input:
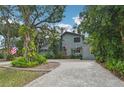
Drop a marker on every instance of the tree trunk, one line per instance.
(8, 40)
(26, 38)
(26, 44)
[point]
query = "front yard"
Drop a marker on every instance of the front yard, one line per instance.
(16, 78)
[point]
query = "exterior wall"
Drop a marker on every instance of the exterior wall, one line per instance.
(86, 53)
(68, 43)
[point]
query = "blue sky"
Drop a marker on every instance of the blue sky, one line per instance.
(70, 12)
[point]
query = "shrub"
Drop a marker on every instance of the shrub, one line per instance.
(115, 66)
(32, 64)
(19, 62)
(10, 57)
(60, 55)
(40, 59)
(49, 55)
(76, 56)
(1, 56)
(22, 62)
(120, 67)
(111, 64)
(100, 59)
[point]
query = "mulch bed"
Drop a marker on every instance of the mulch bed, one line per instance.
(49, 65)
(41, 68)
(115, 73)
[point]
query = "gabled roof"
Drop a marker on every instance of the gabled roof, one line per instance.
(71, 33)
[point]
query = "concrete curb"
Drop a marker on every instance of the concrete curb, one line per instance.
(27, 69)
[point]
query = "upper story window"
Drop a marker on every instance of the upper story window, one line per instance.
(77, 39)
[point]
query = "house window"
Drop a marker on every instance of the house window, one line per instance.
(77, 39)
(78, 50)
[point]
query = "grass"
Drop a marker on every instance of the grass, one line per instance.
(16, 78)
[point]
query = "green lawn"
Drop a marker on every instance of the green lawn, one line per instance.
(14, 78)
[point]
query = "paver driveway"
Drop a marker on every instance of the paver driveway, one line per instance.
(77, 73)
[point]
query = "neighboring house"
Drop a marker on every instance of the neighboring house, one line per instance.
(73, 44)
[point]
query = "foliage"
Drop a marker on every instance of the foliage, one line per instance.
(111, 64)
(8, 27)
(49, 37)
(19, 45)
(49, 55)
(105, 31)
(76, 56)
(22, 62)
(116, 66)
(40, 59)
(54, 42)
(105, 27)
(7, 56)
(60, 55)
(35, 16)
(31, 17)
(1, 56)
(10, 57)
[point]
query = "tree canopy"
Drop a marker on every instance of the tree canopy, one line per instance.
(105, 26)
(29, 18)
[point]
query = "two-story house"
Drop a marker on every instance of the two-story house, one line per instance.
(73, 44)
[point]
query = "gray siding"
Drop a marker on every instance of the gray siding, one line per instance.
(68, 42)
(86, 53)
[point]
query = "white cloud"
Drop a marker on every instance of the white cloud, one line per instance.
(10, 21)
(66, 27)
(77, 20)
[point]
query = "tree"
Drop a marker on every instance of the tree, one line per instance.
(54, 40)
(8, 27)
(104, 24)
(34, 17)
(50, 36)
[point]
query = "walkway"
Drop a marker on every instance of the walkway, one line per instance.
(4, 63)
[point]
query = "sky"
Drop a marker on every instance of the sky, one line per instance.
(71, 11)
(71, 14)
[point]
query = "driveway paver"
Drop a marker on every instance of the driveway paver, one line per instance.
(77, 73)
